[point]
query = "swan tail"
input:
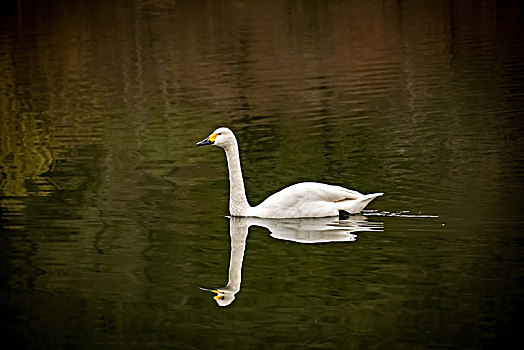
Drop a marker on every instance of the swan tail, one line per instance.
(355, 206)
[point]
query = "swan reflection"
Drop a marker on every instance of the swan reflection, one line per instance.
(312, 230)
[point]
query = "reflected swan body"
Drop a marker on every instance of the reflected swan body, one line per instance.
(310, 230)
(301, 200)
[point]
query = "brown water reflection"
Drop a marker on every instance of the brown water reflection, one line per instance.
(111, 219)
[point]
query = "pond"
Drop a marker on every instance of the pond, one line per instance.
(114, 227)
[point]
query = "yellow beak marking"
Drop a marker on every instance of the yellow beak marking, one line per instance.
(212, 137)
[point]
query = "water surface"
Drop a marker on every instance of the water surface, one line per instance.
(114, 224)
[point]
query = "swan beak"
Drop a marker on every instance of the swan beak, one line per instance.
(208, 141)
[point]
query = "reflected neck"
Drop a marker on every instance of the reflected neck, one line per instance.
(238, 233)
(238, 204)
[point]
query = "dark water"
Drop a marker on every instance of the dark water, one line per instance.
(113, 226)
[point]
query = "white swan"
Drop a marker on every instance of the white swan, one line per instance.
(302, 200)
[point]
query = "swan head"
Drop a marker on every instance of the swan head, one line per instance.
(221, 137)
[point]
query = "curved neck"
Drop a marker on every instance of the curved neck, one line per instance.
(238, 204)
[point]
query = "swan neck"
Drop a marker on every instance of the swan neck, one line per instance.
(238, 204)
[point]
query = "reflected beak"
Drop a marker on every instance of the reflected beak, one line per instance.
(208, 141)
(220, 296)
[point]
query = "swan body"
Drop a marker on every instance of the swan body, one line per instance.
(301, 200)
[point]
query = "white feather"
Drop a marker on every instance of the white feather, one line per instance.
(301, 200)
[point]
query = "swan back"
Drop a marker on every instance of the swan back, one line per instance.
(311, 199)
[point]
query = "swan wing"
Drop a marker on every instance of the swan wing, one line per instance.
(308, 199)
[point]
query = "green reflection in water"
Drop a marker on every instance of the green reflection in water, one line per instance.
(112, 220)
